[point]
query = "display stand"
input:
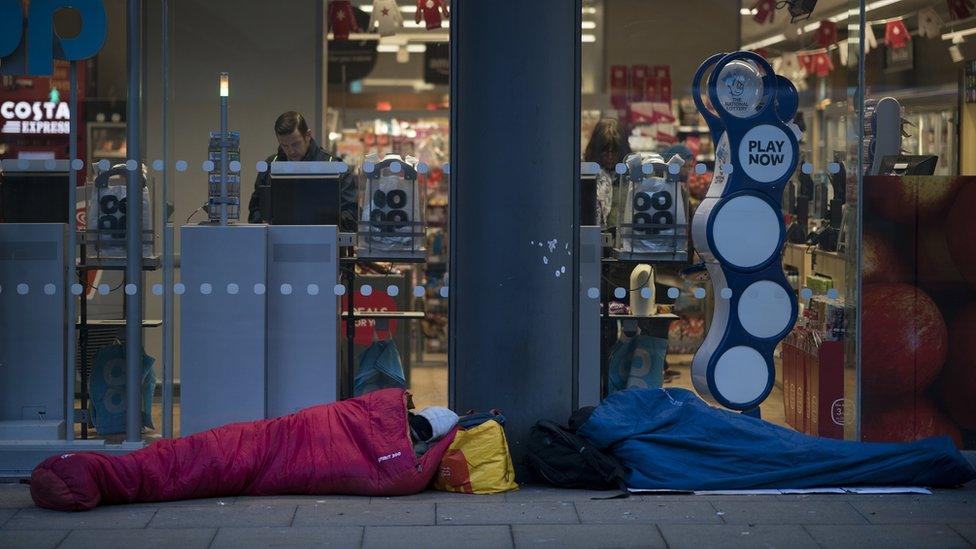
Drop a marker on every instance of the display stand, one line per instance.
(738, 228)
(392, 230)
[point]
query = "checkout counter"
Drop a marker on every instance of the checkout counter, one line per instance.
(258, 331)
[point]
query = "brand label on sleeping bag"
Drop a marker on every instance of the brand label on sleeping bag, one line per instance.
(381, 459)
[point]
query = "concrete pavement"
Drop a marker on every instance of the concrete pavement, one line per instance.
(533, 516)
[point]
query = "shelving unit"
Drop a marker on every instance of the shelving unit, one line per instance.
(350, 316)
(83, 264)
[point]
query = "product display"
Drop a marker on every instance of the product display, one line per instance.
(107, 206)
(654, 217)
(738, 229)
(386, 17)
(342, 20)
(432, 12)
(231, 141)
(393, 204)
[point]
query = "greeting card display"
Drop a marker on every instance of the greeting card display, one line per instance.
(738, 229)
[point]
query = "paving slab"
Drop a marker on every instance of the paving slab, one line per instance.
(696, 536)
(785, 512)
(143, 538)
(15, 496)
(204, 502)
(542, 493)
(185, 516)
(587, 535)
(300, 500)
(365, 514)
(436, 496)
(332, 536)
(626, 511)
(533, 512)
(32, 539)
(99, 518)
(888, 535)
(6, 514)
(921, 511)
(435, 537)
(967, 531)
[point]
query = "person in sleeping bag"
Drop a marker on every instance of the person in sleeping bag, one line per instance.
(672, 439)
(370, 445)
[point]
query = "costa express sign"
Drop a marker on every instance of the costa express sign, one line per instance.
(29, 45)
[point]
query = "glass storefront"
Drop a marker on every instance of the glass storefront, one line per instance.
(293, 163)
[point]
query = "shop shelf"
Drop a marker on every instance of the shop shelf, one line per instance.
(146, 323)
(663, 316)
(396, 315)
(149, 263)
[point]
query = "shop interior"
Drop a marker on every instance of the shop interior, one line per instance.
(370, 88)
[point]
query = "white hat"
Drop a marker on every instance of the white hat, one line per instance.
(442, 420)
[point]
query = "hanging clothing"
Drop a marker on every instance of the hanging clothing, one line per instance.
(896, 35)
(822, 64)
(431, 11)
(342, 20)
(765, 11)
(826, 34)
(386, 17)
(870, 42)
(961, 9)
(929, 23)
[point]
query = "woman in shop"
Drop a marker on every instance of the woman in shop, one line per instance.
(607, 147)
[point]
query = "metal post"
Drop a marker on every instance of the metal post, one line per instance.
(167, 243)
(223, 148)
(498, 270)
(133, 228)
(72, 335)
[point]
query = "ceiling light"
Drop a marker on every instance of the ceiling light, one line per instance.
(416, 48)
(748, 11)
(588, 25)
(588, 38)
(765, 42)
(404, 9)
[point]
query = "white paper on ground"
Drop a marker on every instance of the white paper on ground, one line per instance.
(889, 490)
(774, 492)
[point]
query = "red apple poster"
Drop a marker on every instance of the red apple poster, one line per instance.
(918, 309)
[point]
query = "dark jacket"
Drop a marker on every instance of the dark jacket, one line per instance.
(348, 205)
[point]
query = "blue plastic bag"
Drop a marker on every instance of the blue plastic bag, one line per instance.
(637, 362)
(107, 388)
(379, 368)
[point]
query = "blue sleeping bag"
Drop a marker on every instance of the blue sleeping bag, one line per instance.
(671, 439)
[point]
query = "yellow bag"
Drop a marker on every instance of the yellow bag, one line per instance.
(477, 462)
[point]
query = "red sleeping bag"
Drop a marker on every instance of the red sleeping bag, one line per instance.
(358, 446)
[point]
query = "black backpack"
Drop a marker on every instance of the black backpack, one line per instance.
(567, 460)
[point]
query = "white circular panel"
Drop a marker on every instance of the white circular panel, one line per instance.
(740, 88)
(741, 375)
(746, 231)
(765, 309)
(766, 153)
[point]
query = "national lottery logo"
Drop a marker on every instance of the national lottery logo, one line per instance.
(739, 88)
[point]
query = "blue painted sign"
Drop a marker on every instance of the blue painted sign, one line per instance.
(34, 40)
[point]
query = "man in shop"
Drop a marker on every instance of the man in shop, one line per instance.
(296, 144)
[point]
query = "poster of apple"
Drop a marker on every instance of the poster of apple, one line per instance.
(918, 307)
